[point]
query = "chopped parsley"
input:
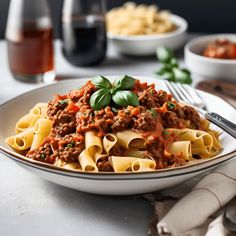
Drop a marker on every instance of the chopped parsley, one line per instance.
(42, 156)
(171, 106)
(166, 132)
(153, 112)
(114, 109)
(151, 92)
(71, 144)
(63, 101)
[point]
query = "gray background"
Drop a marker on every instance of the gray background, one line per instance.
(202, 15)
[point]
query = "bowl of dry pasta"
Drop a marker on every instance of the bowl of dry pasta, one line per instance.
(112, 135)
(138, 30)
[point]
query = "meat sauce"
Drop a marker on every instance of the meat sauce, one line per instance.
(72, 116)
(221, 49)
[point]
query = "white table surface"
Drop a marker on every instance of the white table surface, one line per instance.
(32, 206)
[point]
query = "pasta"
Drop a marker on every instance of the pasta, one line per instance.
(156, 133)
(121, 164)
(181, 148)
(42, 129)
(86, 161)
(21, 141)
(93, 143)
(132, 19)
(109, 141)
(204, 144)
(130, 139)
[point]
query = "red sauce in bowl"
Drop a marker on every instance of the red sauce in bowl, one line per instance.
(221, 49)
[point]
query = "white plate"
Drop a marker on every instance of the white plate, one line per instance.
(107, 183)
(145, 45)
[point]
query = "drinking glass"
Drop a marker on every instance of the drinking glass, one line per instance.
(84, 41)
(29, 37)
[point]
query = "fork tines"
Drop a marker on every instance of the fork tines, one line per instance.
(185, 93)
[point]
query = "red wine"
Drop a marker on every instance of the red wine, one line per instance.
(84, 42)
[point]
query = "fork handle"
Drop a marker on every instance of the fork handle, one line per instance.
(223, 123)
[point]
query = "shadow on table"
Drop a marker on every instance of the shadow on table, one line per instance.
(124, 212)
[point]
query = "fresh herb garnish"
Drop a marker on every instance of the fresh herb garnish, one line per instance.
(63, 101)
(170, 69)
(171, 106)
(114, 109)
(71, 144)
(119, 92)
(153, 112)
(166, 132)
(124, 83)
(101, 82)
(125, 98)
(101, 98)
(42, 156)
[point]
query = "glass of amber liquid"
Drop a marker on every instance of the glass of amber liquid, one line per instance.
(29, 37)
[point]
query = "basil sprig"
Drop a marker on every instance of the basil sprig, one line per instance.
(119, 92)
(101, 98)
(125, 98)
(101, 82)
(124, 83)
(170, 69)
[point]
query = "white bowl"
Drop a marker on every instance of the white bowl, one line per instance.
(209, 67)
(145, 45)
(107, 183)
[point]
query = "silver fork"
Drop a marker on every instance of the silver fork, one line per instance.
(186, 94)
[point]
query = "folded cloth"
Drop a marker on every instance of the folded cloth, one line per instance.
(209, 195)
(216, 228)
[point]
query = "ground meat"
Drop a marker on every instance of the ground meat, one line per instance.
(53, 108)
(162, 97)
(145, 121)
(148, 100)
(191, 114)
(63, 123)
(156, 151)
(171, 120)
(83, 94)
(179, 112)
(44, 154)
(70, 153)
(104, 166)
(122, 122)
(174, 161)
(117, 150)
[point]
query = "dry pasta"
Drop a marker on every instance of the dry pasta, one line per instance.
(132, 19)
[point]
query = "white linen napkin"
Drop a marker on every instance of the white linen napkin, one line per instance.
(209, 195)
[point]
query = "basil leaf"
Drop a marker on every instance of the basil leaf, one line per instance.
(124, 83)
(164, 54)
(186, 71)
(101, 98)
(182, 76)
(125, 98)
(168, 76)
(174, 62)
(164, 69)
(101, 82)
